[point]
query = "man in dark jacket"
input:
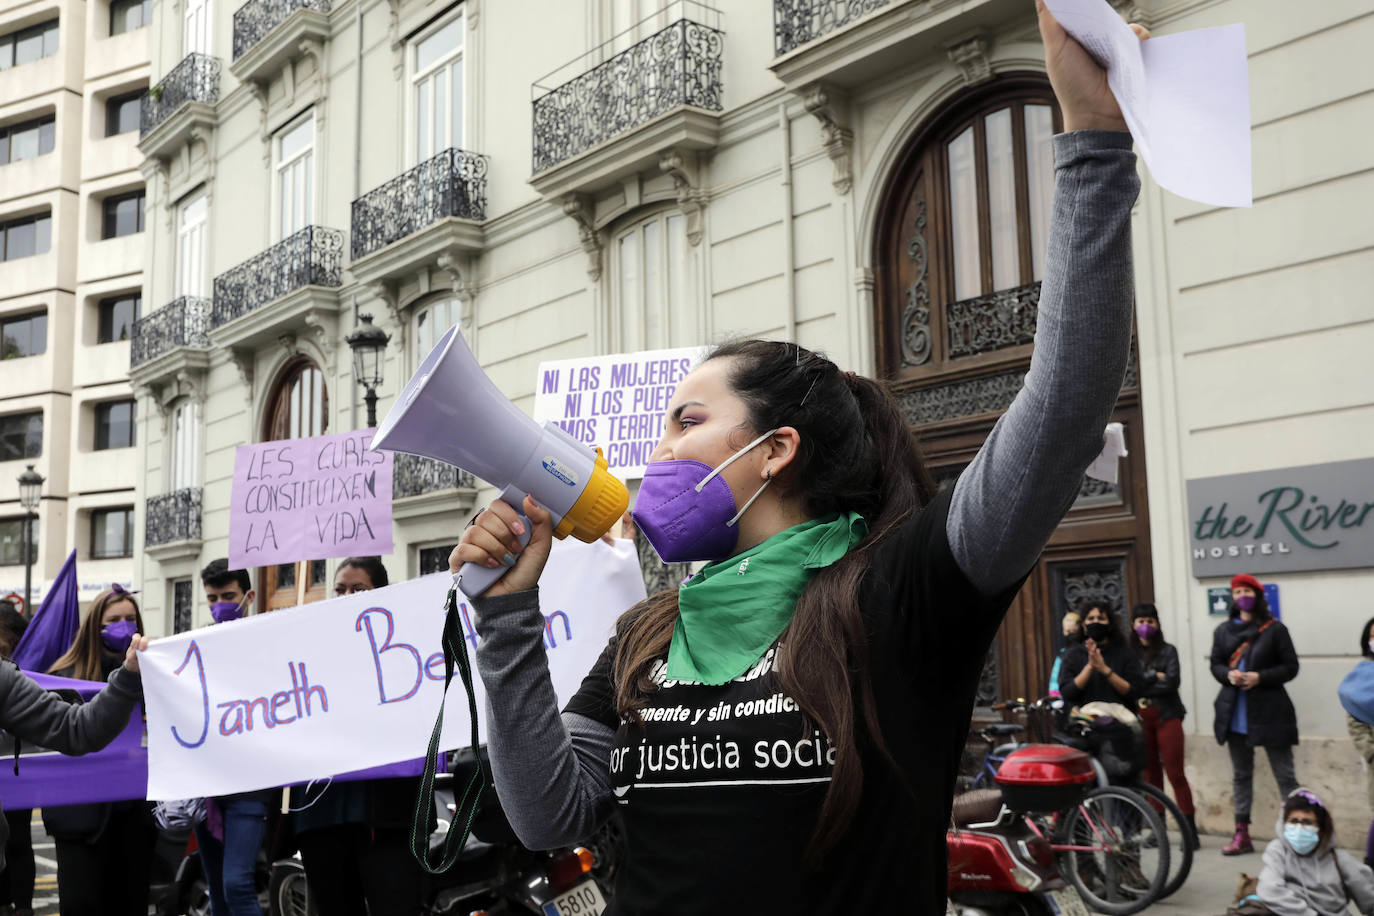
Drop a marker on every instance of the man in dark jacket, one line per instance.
(1252, 658)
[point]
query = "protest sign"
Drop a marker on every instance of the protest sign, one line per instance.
(616, 402)
(310, 499)
(352, 682)
(47, 778)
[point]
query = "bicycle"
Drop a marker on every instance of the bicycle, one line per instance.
(1112, 844)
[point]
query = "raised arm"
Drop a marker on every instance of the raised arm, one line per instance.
(1028, 472)
(42, 717)
(551, 773)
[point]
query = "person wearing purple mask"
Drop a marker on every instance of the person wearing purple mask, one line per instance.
(104, 850)
(1161, 710)
(1252, 658)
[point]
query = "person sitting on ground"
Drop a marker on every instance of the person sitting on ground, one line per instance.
(1304, 873)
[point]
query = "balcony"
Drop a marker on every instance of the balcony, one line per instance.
(183, 102)
(269, 33)
(846, 43)
(171, 526)
(618, 117)
(170, 341)
(289, 287)
(436, 207)
(420, 486)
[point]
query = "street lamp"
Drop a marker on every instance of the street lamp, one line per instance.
(368, 343)
(30, 490)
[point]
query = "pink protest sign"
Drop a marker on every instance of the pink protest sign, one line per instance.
(309, 499)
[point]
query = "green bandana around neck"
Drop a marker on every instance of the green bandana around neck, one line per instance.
(733, 610)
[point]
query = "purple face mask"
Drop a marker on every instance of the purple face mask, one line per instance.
(1246, 603)
(1146, 630)
(224, 611)
(117, 636)
(687, 511)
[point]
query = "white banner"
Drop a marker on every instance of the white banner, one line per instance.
(616, 401)
(352, 682)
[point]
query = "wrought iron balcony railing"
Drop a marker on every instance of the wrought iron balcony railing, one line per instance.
(180, 323)
(195, 79)
(311, 257)
(796, 22)
(173, 517)
(680, 65)
(256, 18)
(453, 183)
(414, 476)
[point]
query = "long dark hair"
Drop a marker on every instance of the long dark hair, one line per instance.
(1118, 631)
(1260, 612)
(858, 454)
(1364, 639)
(372, 566)
(87, 652)
(1148, 649)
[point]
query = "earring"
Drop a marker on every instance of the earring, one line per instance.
(768, 474)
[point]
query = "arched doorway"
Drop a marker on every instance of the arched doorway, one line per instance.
(297, 408)
(959, 254)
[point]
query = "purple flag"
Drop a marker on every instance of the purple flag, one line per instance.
(52, 629)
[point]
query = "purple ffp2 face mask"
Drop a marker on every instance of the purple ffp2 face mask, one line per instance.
(224, 611)
(117, 636)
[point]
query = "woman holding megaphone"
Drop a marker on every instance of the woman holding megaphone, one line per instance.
(782, 733)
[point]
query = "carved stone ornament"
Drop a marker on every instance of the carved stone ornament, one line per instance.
(259, 91)
(832, 111)
(387, 294)
(971, 57)
(916, 343)
(243, 362)
(315, 50)
(581, 209)
(691, 199)
(460, 272)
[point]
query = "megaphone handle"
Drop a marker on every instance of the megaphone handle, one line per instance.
(473, 579)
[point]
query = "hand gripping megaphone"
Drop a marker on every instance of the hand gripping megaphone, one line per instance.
(451, 411)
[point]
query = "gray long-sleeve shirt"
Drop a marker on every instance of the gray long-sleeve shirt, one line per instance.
(41, 717)
(1323, 883)
(552, 773)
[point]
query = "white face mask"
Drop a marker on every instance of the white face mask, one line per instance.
(1371, 645)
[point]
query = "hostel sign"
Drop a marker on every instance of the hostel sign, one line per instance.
(1319, 516)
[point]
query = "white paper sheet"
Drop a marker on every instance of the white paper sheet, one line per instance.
(1104, 466)
(1185, 97)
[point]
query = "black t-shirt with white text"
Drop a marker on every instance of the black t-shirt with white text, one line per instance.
(720, 787)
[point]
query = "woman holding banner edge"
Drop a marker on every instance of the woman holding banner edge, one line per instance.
(783, 732)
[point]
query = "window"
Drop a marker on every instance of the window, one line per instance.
(431, 321)
(434, 559)
(437, 90)
(28, 45)
(123, 215)
(196, 37)
(12, 540)
(300, 407)
(115, 424)
(122, 113)
(127, 15)
(653, 303)
(22, 238)
(295, 152)
(117, 317)
(21, 436)
(632, 21)
(23, 335)
(112, 533)
(183, 601)
(191, 247)
(185, 444)
(27, 140)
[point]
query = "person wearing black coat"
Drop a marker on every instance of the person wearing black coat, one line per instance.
(1162, 710)
(1252, 658)
(1103, 668)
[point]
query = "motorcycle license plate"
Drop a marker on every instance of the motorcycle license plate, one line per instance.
(583, 900)
(1066, 902)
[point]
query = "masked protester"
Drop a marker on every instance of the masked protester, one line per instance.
(1161, 710)
(1357, 698)
(1072, 628)
(354, 836)
(236, 825)
(782, 733)
(104, 851)
(1304, 873)
(17, 877)
(1104, 668)
(1252, 658)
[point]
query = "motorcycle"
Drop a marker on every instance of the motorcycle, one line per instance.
(495, 874)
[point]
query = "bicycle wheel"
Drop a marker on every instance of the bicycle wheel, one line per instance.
(1114, 851)
(1180, 836)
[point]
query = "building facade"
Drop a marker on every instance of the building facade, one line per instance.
(71, 212)
(868, 178)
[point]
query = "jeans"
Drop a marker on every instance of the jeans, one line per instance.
(230, 866)
(1243, 772)
(1164, 744)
